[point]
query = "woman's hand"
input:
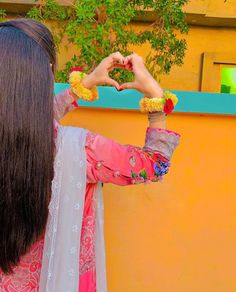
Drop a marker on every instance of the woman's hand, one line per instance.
(100, 75)
(143, 82)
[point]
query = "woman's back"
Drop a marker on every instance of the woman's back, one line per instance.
(26, 274)
(26, 131)
(63, 251)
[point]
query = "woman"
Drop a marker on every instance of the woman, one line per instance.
(51, 210)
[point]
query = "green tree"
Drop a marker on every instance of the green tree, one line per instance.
(100, 27)
(2, 14)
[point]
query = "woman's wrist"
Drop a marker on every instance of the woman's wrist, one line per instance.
(88, 81)
(155, 91)
(165, 104)
(82, 86)
(72, 95)
(157, 120)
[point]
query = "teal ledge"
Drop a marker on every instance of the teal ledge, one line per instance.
(189, 101)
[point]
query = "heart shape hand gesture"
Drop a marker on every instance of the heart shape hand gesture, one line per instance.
(143, 81)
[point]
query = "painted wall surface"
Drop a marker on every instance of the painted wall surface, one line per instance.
(199, 40)
(189, 101)
(178, 235)
(221, 8)
(217, 8)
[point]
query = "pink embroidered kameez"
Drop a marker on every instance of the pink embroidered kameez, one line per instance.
(107, 161)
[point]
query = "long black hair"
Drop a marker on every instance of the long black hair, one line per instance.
(27, 62)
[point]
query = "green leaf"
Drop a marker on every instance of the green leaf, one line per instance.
(99, 27)
(2, 14)
(143, 174)
(133, 175)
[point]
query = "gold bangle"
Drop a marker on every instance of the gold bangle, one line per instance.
(79, 90)
(165, 104)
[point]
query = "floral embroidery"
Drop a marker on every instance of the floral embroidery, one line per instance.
(143, 174)
(116, 173)
(87, 249)
(90, 139)
(132, 161)
(99, 164)
(135, 150)
(161, 168)
(26, 275)
(133, 175)
(139, 178)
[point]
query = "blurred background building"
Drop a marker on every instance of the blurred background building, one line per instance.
(210, 61)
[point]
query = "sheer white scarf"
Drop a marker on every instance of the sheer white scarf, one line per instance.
(60, 265)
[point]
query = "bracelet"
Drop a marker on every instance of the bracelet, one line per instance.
(165, 104)
(156, 117)
(79, 90)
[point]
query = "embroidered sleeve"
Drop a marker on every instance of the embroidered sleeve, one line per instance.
(108, 161)
(63, 103)
(162, 141)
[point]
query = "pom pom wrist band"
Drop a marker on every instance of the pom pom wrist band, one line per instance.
(165, 104)
(79, 90)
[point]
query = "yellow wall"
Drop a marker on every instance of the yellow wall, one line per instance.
(214, 8)
(199, 40)
(178, 235)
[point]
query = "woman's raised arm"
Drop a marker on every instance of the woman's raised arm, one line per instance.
(111, 162)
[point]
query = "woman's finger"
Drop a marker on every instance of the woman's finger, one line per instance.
(127, 67)
(133, 59)
(116, 65)
(112, 82)
(128, 85)
(117, 58)
(128, 60)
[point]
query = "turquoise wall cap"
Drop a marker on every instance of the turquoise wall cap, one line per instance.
(189, 101)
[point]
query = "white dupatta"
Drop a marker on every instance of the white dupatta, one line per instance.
(60, 265)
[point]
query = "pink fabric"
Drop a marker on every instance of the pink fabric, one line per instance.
(87, 281)
(107, 161)
(111, 162)
(26, 274)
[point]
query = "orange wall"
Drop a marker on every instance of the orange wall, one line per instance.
(200, 39)
(215, 8)
(178, 235)
(188, 76)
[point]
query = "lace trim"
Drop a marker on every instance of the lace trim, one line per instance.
(90, 139)
(87, 251)
(60, 266)
(54, 204)
(163, 142)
